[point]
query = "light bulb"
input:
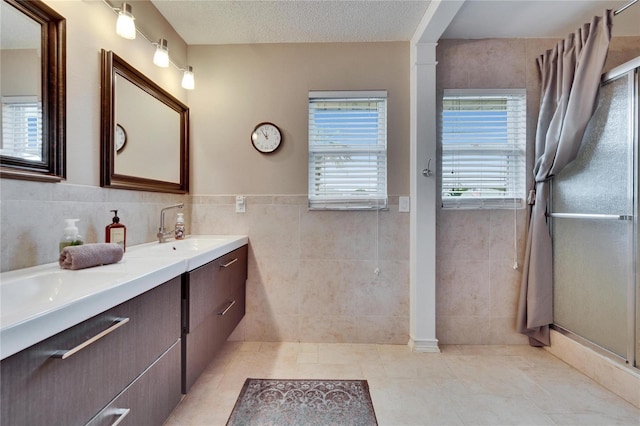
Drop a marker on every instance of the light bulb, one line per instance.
(161, 57)
(188, 81)
(125, 27)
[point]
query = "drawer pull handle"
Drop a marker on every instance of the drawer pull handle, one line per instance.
(231, 262)
(233, 302)
(66, 354)
(122, 413)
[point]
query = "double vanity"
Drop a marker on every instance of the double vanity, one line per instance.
(121, 343)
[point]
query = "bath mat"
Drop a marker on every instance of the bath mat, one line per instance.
(303, 402)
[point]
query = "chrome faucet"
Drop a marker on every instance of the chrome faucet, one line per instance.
(162, 232)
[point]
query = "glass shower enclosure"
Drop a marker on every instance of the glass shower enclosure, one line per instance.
(595, 225)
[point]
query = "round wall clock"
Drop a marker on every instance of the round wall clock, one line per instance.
(120, 138)
(266, 137)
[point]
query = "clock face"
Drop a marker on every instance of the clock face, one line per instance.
(120, 138)
(266, 137)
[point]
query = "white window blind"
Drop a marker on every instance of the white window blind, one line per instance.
(483, 148)
(22, 127)
(348, 150)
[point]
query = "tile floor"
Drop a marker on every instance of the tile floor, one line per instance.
(463, 385)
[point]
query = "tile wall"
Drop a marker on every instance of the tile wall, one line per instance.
(32, 217)
(312, 274)
(477, 288)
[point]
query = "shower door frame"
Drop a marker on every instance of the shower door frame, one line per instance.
(632, 69)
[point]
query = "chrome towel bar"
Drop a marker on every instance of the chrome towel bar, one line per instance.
(590, 216)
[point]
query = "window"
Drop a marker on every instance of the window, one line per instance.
(22, 127)
(483, 148)
(348, 150)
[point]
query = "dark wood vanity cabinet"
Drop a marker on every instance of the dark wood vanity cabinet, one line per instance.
(135, 367)
(150, 399)
(213, 305)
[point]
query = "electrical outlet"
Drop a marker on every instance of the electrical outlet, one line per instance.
(241, 204)
(404, 205)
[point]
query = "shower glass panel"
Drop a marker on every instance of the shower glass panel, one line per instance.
(594, 242)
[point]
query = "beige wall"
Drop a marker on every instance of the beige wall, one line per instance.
(239, 86)
(477, 287)
(153, 130)
(310, 277)
(32, 213)
(311, 274)
(20, 74)
(91, 27)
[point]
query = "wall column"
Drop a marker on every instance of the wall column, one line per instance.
(423, 193)
(422, 274)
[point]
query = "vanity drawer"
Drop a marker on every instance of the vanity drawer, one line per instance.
(228, 315)
(201, 344)
(150, 399)
(232, 272)
(211, 284)
(213, 305)
(38, 387)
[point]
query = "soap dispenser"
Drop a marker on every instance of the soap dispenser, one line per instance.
(180, 231)
(71, 236)
(116, 232)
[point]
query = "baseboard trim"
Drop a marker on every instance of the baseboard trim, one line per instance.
(428, 345)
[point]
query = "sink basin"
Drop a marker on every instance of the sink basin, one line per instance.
(48, 287)
(34, 289)
(195, 250)
(187, 246)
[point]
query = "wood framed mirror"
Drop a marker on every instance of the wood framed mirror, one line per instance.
(33, 69)
(144, 132)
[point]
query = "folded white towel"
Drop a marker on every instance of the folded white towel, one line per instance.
(88, 255)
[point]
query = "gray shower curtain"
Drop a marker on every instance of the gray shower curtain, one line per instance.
(570, 74)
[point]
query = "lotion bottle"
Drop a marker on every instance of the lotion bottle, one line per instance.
(71, 237)
(116, 232)
(179, 230)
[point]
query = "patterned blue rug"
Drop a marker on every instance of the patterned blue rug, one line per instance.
(303, 402)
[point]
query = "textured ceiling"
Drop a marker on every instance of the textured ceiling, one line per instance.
(299, 21)
(292, 21)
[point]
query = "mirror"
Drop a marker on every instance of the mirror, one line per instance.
(144, 131)
(33, 91)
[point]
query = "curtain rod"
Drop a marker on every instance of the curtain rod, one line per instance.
(623, 8)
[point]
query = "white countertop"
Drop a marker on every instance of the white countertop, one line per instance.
(38, 302)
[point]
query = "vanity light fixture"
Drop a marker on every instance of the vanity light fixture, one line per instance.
(161, 57)
(188, 81)
(125, 27)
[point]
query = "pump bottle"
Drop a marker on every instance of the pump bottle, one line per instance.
(116, 232)
(179, 230)
(71, 237)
